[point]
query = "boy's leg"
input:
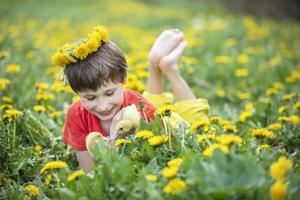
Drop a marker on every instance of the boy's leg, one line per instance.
(169, 66)
(166, 42)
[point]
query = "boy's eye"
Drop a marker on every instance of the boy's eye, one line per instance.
(110, 93)
(90, 98)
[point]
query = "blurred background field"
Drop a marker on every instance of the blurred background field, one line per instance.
(234, 60)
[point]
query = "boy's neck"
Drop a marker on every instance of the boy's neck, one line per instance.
(105, 125)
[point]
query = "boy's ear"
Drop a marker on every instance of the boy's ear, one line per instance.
(124, 79)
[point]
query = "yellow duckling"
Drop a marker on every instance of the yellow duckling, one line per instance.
(130, 121)
(91, 140)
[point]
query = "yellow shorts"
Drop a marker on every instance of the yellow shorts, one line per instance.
(189, 110)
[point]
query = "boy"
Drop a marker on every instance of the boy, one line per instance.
(97, 73)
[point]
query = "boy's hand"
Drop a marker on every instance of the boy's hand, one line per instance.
(110, 140)
(167, 41)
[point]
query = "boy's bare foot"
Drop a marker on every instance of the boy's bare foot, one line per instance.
(169, 63)
(164, 44)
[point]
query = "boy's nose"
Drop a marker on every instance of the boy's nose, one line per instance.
(102, 106)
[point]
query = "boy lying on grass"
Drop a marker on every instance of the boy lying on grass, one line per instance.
(96, 70)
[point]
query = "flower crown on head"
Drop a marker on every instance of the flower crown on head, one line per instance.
(72, 53)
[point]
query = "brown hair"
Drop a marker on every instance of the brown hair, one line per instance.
(108, 63)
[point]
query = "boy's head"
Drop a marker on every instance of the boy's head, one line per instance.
(96, 70)
(107, 64)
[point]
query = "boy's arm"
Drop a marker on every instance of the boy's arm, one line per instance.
(85, 161)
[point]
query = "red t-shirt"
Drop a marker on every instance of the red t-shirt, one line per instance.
(79, 122)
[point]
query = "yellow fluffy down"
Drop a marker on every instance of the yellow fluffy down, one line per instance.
(130, 120)
(90, 141)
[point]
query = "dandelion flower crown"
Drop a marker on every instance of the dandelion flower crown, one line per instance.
(72, 53)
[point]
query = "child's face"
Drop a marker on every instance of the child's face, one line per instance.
(105, 102)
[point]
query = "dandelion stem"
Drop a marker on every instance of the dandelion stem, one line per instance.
(14, 137)
(167, 132)
(8, 134)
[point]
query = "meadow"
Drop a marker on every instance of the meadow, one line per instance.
(246, 67)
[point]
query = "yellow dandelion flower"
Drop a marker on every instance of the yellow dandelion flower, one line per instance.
(278, 85)
(175, 186)
(53, 165)
(75, 98)
(103, 31)
(3, 54)
(297, 105)
(96, 36)
(75, 175)
(48, 179)
(262, 147)
(243, 59)
(67, 47)
(220, 93)
(33, 190)
(282, 109)
(244, 116)
(62, 59)
(229, 139)
(30, 55)
(42, 86)
(280, 167)
(157, 140)
(266, 100)
(13, 68)
(200, 123)
(165, 110)
(145, 134)
(6, 106)
(175, 162)
(294, 119)
(121, 141)
(151, 177)
(278, 191)
(271, 91)
(249, 106)
(92, 44)
(81, 51)
(283, 118)
(11, 114)
(6, 99)
(241, 72)
(262, 133)
(276, 60)
(223, 59)
(205, 137)
(57, 87)
(43, 95)
(37, 148)
(230, 42)
(208, 152)
(288, 97)
(243, 95)
(169, 172)
(274, 126)
(189, 60)
(230, 128)
(54, 114)
(39, 108)
(215, 119)
(3, 83)
(224, 122)
(290, 79)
